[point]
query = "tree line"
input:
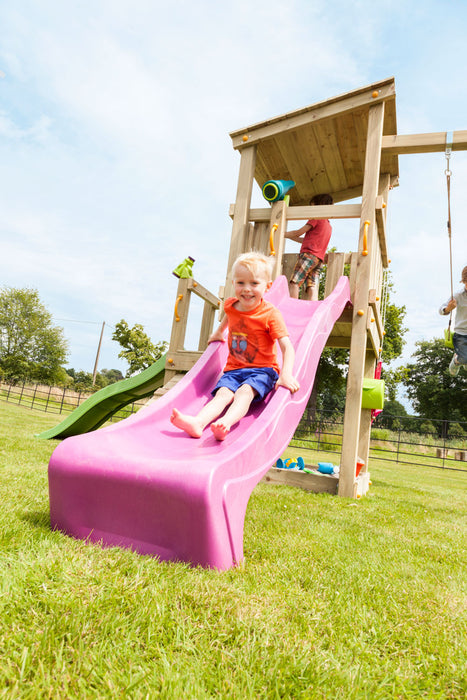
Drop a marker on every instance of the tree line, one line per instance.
(33, 350)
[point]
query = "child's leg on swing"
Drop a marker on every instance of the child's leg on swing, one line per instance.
(194, 425)
(238, 409)
(460, 349)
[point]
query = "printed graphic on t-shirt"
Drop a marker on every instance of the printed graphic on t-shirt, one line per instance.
(243, 345)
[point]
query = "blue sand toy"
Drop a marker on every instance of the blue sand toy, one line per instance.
(327, 468)
(291, 463)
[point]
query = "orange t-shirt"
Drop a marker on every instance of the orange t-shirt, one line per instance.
(253, 335)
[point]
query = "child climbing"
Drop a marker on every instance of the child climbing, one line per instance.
(252, 370)
(314, 237)
(459, 338)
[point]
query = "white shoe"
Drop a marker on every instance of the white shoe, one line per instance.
(454, 367)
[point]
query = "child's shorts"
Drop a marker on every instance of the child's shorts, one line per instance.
(307, 268)
(460, 346)
(261, 379)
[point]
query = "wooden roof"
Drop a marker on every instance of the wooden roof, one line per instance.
(322, 147)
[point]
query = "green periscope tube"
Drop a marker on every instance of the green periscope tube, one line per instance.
(275, 190)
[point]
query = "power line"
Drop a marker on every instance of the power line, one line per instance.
(73, 320)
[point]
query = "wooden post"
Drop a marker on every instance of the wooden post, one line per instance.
(277, 226)
(363, 447)
(179, 323)
(358, 341)
(240, 228)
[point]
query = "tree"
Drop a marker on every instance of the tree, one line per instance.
(393, 342)
(31, 348)
(432, 390)
(329, 390)
(138, 349)
(111, 375)
(82, 381)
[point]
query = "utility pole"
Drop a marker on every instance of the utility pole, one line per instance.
(97, 356)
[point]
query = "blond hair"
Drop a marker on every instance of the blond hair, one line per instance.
(257, 263)
(464, 275)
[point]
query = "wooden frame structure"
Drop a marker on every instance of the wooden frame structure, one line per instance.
(348, 147)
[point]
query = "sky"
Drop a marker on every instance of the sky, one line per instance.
(116, 160)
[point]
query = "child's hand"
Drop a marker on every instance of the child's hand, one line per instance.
(217, 335)
(289, 382)
(451, 305)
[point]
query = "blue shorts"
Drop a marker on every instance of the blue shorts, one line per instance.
(261, 379)
(460, 346)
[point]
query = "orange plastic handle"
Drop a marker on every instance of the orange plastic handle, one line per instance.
(179, 298)
(271, 238)
(365, 238)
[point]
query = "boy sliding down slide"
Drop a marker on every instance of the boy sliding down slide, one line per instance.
(252, 370)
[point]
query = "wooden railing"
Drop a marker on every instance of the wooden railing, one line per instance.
(179, 359)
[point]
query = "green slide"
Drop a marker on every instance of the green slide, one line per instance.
(99, 407)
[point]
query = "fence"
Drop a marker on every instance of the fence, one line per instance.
(400, 444)
(398, 439)
(53, 399)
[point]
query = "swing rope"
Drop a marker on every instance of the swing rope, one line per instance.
(448, 174)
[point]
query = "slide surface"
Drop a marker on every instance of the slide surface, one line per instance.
(99, 407)
(144, 484)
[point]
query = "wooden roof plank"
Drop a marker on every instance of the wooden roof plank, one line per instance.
(330, 153)
(347, 102)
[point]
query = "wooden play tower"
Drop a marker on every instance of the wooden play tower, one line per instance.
(348, 147)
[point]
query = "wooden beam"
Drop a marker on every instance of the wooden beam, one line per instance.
(316, 482)
(338, 341)
(277, 227)
(331, 211)
(423, 143)
(203, 293)
(381, 226)
(376, 305)
(358, 342)
(372, 331)
(334, 270)
(182, 360)
(241, 210)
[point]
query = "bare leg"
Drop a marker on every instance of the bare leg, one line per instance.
(237, 410)
(312, 293)
(194, 425)
(293, 290)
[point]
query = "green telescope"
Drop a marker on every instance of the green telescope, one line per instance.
(274, 190)
(185, 269)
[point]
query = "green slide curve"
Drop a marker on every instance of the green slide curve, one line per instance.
(99, 407)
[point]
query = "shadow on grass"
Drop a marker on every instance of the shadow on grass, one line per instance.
(39, 519)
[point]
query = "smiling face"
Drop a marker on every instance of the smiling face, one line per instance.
(249, 287)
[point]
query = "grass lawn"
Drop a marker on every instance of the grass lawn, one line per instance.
(337, 599)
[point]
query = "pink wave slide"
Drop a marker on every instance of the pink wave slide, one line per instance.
(146, 485)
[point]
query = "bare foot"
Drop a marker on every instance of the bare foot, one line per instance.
(219, 430)
(189, 424)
